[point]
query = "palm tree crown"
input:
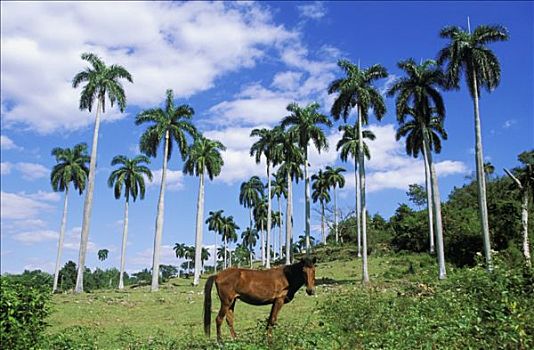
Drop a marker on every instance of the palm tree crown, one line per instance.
(413, 130)
(204, 155)
(320, 187)
(176, 120)
(130, 176)
(334, 177)
(71, 167)
(349, 142)
(250, 192)
(101, 81)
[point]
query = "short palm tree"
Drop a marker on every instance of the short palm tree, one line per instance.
(279, 189)
(335, 179)
(467, 53)
(260, 219)
(72, 168)
(266, 146)
(290, 168)
(102, 254)
(250, 238)
(305, 123)
(215, 221)
(101, 81)
(350, 146)
(171, 123)
(320, 193)
(229, 233)
(418, 96)
(250, 193)
(204, 156)
(130, 176)
(356, 91)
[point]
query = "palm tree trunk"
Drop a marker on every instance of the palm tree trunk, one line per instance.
(262, 245)
(159, 218)
(61, 238)
(123, 250)
(524, 223)
(335, 214)
(225, 250)
(88, 203)
(437, 209)
(269, 219)
(322, 223)
(289, 219)
(198, 236)
(361, 167)
(429, 200)
(250, 254)
(215, 254)
(280, 229)
(307, 195)
(358, 207)
(482, 204)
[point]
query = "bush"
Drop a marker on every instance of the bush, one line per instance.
(22, 314)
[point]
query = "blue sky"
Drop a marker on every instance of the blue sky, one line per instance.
(238, 65)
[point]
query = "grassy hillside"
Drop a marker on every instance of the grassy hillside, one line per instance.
(403, 307)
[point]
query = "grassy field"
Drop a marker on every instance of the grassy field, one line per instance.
(176, 310)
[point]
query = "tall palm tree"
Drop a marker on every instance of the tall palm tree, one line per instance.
(276, 221)
(204, 156)
(72, 168)
(101, 81)
(266, 146)
(356, 91)
(418, 96)
(350, 146)
(171, 123)
(290, 167)
(249, 195)
(229, 233)
(279, 189)
(306, 123)
(129, 175)
(320, 193)
(260, 219)
(215, 222)
(335, 179)
(467, 54)
(204, 255)
(250, 237)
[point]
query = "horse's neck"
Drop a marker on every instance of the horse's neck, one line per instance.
(295, 277)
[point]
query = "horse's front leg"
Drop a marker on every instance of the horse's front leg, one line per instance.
(277, 305)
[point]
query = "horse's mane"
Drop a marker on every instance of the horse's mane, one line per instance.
(295, 277)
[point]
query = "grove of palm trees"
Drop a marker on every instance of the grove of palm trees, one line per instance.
(449, 266)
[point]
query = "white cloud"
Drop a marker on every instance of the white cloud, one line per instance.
(287, 80)
(184, 46)
(174, 179)
(5, 168)
(508, 123)
(6, 143)
(31, 171)
(143, 258)
(32, 237)
(315, 10)
(24, 206)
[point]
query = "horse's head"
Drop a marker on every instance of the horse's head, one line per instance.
(308, 268)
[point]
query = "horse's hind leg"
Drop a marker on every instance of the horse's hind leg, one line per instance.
(230, 319)
(225, 306)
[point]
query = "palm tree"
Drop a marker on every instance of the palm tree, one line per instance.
(71, 167)
(276, 222)
(467, 53)
(129, 176)
(266, 146)
(100, 80)
(250, 237)
(260, 218)
(320, 193)
(103, 254)
(229, 234)
(350, 146)
(335, 178)
(279, 189)
(180, 249)
(204, 156)
(215, 221)
(290, 167)
(171, 123)
(524, 180)
(418, 96)
(356, 90)
(306, 124)
(249, 195)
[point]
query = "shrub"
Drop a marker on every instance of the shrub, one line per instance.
(22, 314)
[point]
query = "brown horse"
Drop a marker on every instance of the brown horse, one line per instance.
(257, 287)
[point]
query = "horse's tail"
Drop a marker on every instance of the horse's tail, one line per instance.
(207, 304)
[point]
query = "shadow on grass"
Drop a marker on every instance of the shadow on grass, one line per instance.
(330, 281)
